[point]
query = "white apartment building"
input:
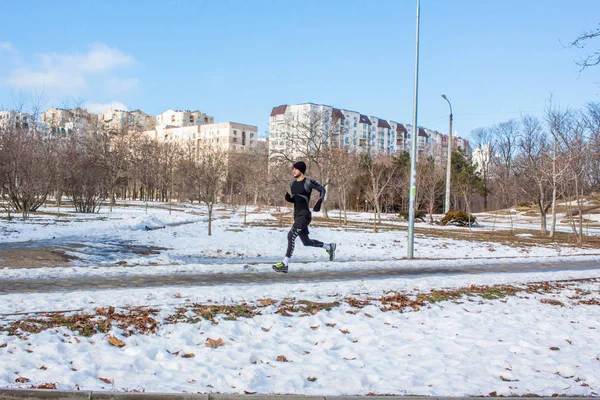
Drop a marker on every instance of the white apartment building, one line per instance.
(227, 136)
(291, 125)
(15, 119)
(178, 118)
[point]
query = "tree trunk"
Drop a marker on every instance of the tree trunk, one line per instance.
(324, 206)
(542, 206)
(209, 219)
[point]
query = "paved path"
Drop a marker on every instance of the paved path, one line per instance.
(120, 282)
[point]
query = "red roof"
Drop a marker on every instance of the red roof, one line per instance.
(401, 128)
(364, 120)
(337, 114)
(383, 124)
(278, 110)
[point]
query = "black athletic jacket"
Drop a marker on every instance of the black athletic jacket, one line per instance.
(301, 191)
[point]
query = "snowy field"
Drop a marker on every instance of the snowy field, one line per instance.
(453, 335)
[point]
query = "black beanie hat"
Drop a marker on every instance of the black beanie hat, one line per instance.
(300, 166)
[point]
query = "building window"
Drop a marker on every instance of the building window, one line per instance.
(234, 140)
(251, 134)
(234, 132)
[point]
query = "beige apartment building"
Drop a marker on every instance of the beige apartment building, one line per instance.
(179, 118)
(66, 120)
(227, 136)
(121, 120)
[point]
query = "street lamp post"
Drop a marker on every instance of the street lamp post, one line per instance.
(449, 161)
(413, 147)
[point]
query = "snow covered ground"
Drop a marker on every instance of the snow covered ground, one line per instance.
(108, 244)
(503, 334)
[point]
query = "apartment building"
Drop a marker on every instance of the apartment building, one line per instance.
(179, 118)
(15, 119)
(227, 136)
(295, 128)
(114, 121)
(67, 120)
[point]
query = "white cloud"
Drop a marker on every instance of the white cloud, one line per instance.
(99, 108)
(6, 46)
(72, 73)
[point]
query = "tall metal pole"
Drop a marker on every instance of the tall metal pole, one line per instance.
(449, 161)
(413, 147)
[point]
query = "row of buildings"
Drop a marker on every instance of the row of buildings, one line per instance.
(188, 128)
(295, 128)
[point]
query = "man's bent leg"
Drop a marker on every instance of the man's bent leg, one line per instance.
(292, 235)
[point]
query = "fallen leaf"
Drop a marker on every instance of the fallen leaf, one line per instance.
(330, 324)
(77, 340)
(177, 295)
(314, 328)
(214, 343)
(3, 345)
(345, 331)
(568, 341)
(22, 379)
(249, 392)
(43, 368)
(29, 351)
(175, 353)
(266, 302)
(349, 359)
(266, 329)
(554, 348)
(508, 379)
(306, 352)
(115, 342)
(282, 358)
(369, 315)
(353, 312)
(106, 380)
(188, 355)
(311, 378)
(552, 302)
(73, 369)
(192, 381)
(45, 386)
(493, 394)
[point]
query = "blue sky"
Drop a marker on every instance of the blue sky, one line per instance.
(235, 60)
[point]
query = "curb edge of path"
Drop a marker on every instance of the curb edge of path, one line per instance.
(39, 394)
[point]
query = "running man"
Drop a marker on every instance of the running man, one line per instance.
(301, 187)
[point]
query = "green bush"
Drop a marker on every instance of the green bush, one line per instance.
(458, 217)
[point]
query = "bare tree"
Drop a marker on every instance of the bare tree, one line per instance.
(204, 176)
(84, 172)
(27, 167)
(380, 172)
(430, 175)
(533, 165)
(593, 58)
(345, 167)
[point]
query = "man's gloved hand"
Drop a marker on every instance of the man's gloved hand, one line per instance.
(288, 198)
(317, 206)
